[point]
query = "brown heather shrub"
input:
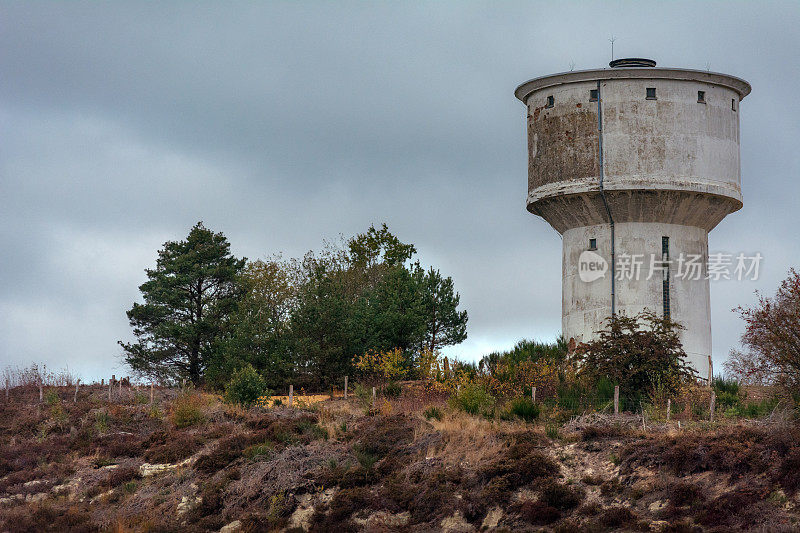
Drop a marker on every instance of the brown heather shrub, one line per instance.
(788, 471)
(170, 447)
(617, 517)
(731, 508)
(212, 500)
(340, 509)
(681, 527)
(537, 513)
(227, 451)
(118, 445)
(120, 475)
(561, 496)
(383, 435)
(681, 493)
(522, 462)
(737, 451)
(597, 432)
(43, 517)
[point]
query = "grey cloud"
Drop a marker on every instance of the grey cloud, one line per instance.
(285, 123)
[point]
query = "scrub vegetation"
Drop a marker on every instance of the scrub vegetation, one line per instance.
(423, 460)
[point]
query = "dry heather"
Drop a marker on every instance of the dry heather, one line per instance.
(191, 463)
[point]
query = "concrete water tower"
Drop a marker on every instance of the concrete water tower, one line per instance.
(635, 162)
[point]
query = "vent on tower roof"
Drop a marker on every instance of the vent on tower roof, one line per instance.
(632, 62)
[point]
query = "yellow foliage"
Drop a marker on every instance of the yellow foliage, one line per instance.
(386, 365)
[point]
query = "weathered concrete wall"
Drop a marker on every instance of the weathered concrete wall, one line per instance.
(563, 139)
(586, 305)
(673, 141)
(685, 154)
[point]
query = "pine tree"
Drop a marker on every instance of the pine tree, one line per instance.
(187, 300)
(445, 324)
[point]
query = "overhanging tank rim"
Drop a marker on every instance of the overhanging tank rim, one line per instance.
(739, 85)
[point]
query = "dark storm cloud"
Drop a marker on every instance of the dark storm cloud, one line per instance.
(287, 123)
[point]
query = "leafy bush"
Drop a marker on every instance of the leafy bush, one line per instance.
(187, 410)
(392, 389)
(525, 409)
(770, 338)
(727, 391)
(640, 353)
(722, 385)
(434, 413)
(246, 386)
(473, 399)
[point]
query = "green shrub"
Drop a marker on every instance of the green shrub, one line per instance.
(312, 430)
(721, 385)
(364, 394)
(246, 386)
(727, 391)
(726, 400)
(758, 409)
(257, 450)
(392, 389)
(187, 410)
(473, 399)
(525, 409)
(551, 430)
(51, 397)
(101, 421)
(434, 413)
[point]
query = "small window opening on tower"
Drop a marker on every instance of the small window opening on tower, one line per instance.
(550, 101)
(701, 97)
(665, 267)
(733, 104)
(592, 95)
(651, 93)
(593, 244)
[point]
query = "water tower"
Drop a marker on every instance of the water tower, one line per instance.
(633, 166)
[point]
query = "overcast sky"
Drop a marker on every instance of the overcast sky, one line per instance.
(282, 124)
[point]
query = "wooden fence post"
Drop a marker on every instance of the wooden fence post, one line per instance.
(75, 398)
(373, 395)
(291, 395)
(120, 389)
(41, 392)
(109, 388)
(713, 404)
(669, 408)
(345, 387)
(151, 393)
(616, 399)
(533, 394)
(710, 371)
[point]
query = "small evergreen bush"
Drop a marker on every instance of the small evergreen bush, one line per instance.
(392, 389)
(245, 387)
(473, 399)
(434, 413)
(525, 409)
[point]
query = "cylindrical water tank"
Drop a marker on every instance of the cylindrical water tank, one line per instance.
(656, 151)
